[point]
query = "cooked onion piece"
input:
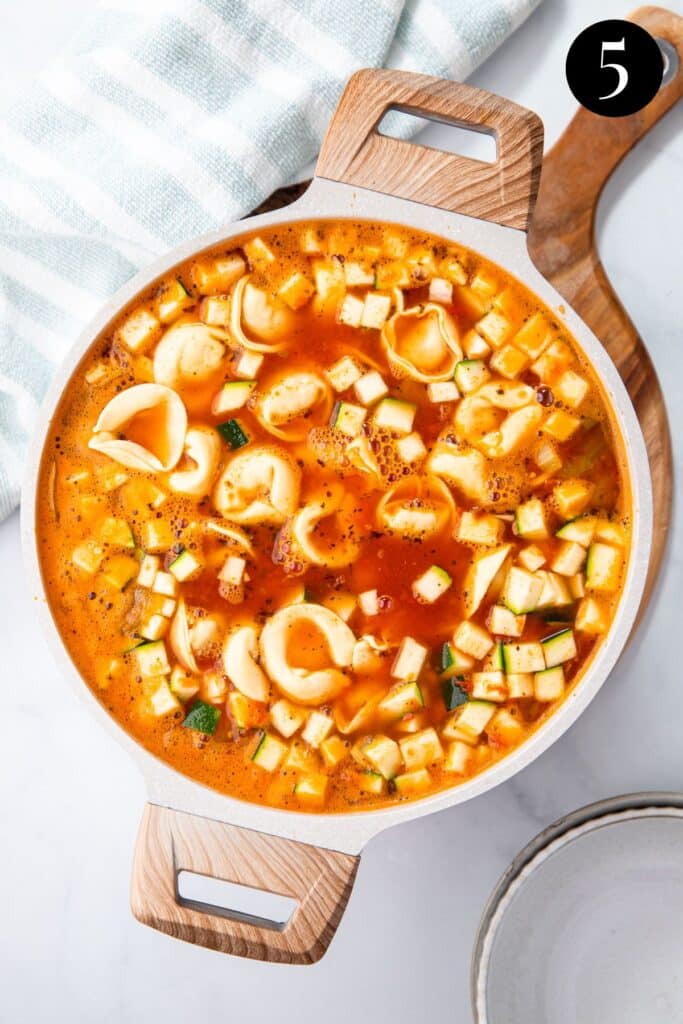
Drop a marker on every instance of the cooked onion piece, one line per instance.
(422, 343)
(498, 418)
(259, 321)
(259, 485)
(332, 548)
(290, 407)
(203, 449)
(179, 636)
(418, 506)
(190, 356)
(240, 661)
(284, 640)
(143, 428)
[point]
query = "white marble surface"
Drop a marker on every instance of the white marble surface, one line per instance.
(70, 800)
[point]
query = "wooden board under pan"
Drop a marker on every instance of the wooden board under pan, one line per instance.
(563, 247)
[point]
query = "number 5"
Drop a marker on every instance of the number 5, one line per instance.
(619, 68)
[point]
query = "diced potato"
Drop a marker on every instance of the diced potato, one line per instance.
(139, 331)
(311, 241)
(215, 277)
(98, 373)
(411, 448)
(571, 389)
(547, 458)
(88, 556)
(590, 617)
(443, 391)
(409, 661)
(569, 559)
(149, 567)
(376, 309)
(392, 274)
(317, 728)
(344, 373)
(258, 252)
(502, 622)
(561, 425)
(508, 361)
(534, 336)
(330, 284)
(297, 290)
(333, 750)
(215, 310)
(472, 639)
(577, 585)
(484, 284)
(370, 388)
(480, 528)
(183, 684)
(572, 497)
(495, 328)
(350, 311)
(421, 749)
(139, 495)
(395, 415)
(531, 557)
(554, 590)
(611, 533)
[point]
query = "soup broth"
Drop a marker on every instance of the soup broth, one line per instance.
(335, 518)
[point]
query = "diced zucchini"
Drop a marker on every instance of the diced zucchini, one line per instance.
(120, 570)
(149, 567)
(157, 535)
(117, 532)
(577, 585)
(489, 686)
(509, 361)
(401, 700)
(590, 617)
(139, 331)
(534, 336)
(520, 685)
(296, 290)
(472, 639)
(547, 458)
(470, 374)
(531, 521)
(421, 749)
(152, 659)
(440, 290)
(527, 657)
(248, 364)
(370, 388)
(561, 425)
(317, 728)
(469, 723)
(371, 782)
(172, 300)
(185, 566)
(505, 729)
(376, 309)
(333, 750)
(215, 277)
(569, 558)
(521, 590)
(348, 418)
(549, 684)
(368, 602)
(184, 685)
(431, 585)
(258, 252)
(558, 648)
(494, 327)
(312, 789)
(453, 694)
(572, 496)
(571, 389)
(154, 627)
(166, 584)
(413, 782)
(502, 622)
(411, 448)
(454, 662)
(269, 753)
(232, 432)
(458, 757)
(344, 373)
(233, 395)
(395, 415)
(88, 556)
(287, 717)
(383, 754)
(554, 592)
(409, 660)
(495, 661)
(610, 532)
(531, 558)
(603, 567)
(162, 700)
(442, 391)
(480, 528)
(215, 310)
(233, 570)
(553, 362)
(350, 311)
(578, 531)
(481, 575)
(453, 270)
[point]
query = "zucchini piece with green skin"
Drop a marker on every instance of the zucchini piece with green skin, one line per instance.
(394, 414)
(429, 587)
(496, 661)
(558, 648)
(603, 567)
(401, 700)
(530, 520)
(481, 575)
(579, 530)
(470, 374)
(233, 396)
(348, 418)
(117, 532)
(202, 717)
(469, 723)
(453, 662)
(549, 684)
(521, 658)
(269, 752)
(453, 693)
(521, 591)
(152, 658)
(185, 566)
(232, 432)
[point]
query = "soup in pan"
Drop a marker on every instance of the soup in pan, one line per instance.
(334, 519)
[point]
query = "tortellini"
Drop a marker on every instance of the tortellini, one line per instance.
(203, 448)
(499, 418)
(422, 343)
(259, 485)
(190, 356)
(179, 635)
(416, 507)
(143, 428)
(240, 661)
(259, 321)
(280, 644)
(286, 409)
(344, 545)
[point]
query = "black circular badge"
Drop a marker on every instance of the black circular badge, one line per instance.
(614, 68)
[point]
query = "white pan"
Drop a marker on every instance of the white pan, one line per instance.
(314, 857)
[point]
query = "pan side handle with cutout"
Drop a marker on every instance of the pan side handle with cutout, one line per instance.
(170, 842)
(354, 151)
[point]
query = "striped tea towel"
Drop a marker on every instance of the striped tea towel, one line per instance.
(164, 119)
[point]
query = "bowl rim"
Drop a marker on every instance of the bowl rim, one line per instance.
(349, 831)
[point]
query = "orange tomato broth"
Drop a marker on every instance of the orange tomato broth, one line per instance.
(101, 611)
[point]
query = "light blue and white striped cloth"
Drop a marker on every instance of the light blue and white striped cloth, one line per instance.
(165, 118)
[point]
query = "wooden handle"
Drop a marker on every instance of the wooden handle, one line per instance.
(354, 151)
(562, 245)
(170, 842)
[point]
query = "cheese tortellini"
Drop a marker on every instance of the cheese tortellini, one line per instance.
(259, 485)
